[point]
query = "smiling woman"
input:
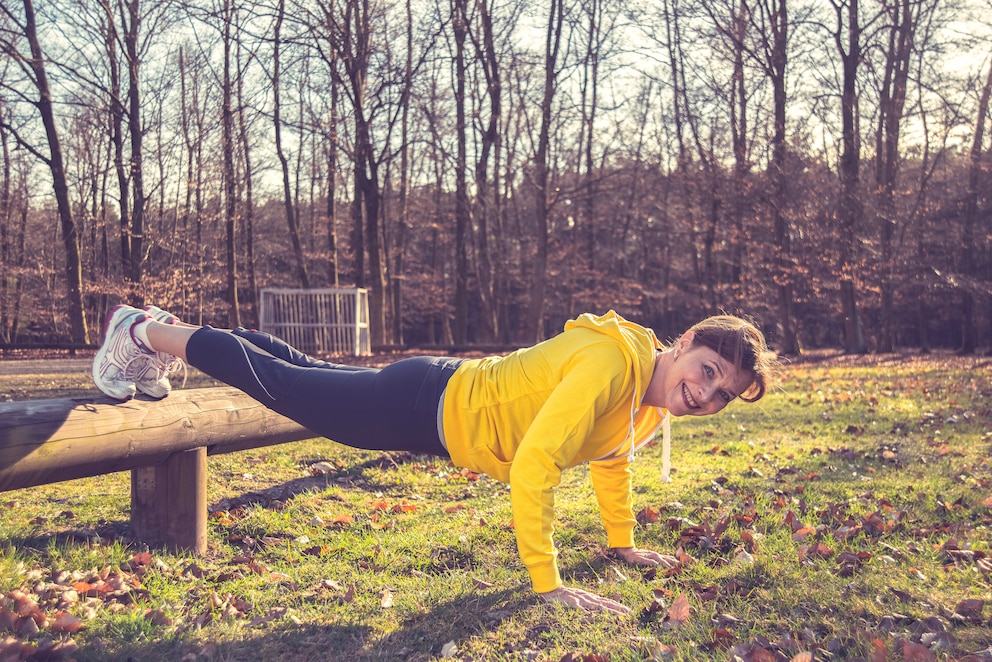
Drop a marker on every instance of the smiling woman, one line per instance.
(592, 394)
(716, 361)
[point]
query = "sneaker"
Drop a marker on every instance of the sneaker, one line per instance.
(121, 356)
(152, 375)
(160, 315)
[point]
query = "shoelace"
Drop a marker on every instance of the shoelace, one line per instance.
(140, 366)
(170, 365)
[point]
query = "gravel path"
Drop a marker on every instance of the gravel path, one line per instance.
(43, 366)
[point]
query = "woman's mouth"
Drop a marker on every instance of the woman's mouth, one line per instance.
(690, 402)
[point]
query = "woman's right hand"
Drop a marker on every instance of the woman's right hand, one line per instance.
(576, 597)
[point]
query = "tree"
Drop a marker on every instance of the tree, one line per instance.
(850, 211)
(33, 66)
(540, 179)
(973, 192)
(291, 209)
(459, 24)
(772, 54)
(903, 17)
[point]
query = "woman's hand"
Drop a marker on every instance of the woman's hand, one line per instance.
(576, 597)
(635, 556)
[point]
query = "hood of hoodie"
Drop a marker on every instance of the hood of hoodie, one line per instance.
(640, 342)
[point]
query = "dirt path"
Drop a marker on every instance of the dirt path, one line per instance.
(44, 366)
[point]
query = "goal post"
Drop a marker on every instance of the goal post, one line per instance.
(318, 321)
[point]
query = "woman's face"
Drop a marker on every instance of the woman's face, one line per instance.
(696, 382)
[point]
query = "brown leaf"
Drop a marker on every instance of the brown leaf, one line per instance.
(67, 624)
(647, 515)
(386, 600)
(157, 617)
(913, 652)
(805, 656)
(679, 611)
(879, 653)
(970, 608)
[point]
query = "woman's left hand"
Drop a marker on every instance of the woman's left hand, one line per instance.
(636, 556)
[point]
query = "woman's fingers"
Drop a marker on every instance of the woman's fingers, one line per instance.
(576, 597)
(637, 556)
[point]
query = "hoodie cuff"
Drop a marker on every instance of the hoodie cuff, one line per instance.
(620, 535)
(545, 577)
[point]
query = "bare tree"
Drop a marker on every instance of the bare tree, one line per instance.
(850, 213)
(290, 207)
(459, 24)
(967, 261)
(33, 66)
(903, 17)
(541, 176)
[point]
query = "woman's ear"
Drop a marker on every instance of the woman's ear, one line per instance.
(685, 341)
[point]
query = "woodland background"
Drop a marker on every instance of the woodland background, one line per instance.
(490, 168)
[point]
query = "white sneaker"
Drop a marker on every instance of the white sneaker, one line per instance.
(152, 376)
(121, 357)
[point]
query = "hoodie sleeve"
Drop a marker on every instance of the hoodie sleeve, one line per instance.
(551, 442)
(612, 482)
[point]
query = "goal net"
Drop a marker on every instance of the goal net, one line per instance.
(319, 322)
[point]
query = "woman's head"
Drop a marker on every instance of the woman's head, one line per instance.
(713, 363)
(742, 345)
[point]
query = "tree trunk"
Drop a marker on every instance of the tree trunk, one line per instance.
(462, 221)
(967, 257)
(290, 207)
(249, 213)
(891, 102)
(542, 199)
(136, 133)
(230, 188)
(850, 211)
(73, 267)
(489, 207)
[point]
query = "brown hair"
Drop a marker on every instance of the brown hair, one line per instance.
(743, 345)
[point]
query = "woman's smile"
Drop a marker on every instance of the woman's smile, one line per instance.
(688, 399)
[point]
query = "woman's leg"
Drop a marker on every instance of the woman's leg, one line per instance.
(390, 409)
(281, 349)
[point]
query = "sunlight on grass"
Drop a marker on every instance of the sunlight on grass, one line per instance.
(849, 509)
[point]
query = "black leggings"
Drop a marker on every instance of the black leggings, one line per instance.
(392, 408)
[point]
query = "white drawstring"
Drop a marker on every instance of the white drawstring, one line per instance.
(666, 448)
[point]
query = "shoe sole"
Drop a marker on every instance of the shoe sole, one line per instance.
(101, 354)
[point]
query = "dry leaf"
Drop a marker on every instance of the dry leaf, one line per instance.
(913, 652)
(67, 624)
(478, 583)
(878, 651)
(387, 599)
(678, 613)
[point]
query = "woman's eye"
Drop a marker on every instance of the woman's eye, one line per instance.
(708, 370)
(726, 396)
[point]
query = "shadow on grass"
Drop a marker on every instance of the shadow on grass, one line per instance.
(420, 637)
(350, 477)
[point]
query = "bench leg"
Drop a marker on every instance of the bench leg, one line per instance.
(169, 502)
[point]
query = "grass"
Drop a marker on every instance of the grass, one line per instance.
(847, 514)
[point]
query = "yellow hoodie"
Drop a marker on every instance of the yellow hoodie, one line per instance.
(575, 398)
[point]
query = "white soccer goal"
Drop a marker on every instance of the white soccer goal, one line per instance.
(323, 321)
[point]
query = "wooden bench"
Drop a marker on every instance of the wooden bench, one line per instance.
(163, 444)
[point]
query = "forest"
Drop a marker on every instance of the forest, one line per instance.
(488, 169)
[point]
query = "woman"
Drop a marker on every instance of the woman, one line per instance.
(594, 393)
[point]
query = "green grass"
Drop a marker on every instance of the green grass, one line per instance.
(884, 464)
